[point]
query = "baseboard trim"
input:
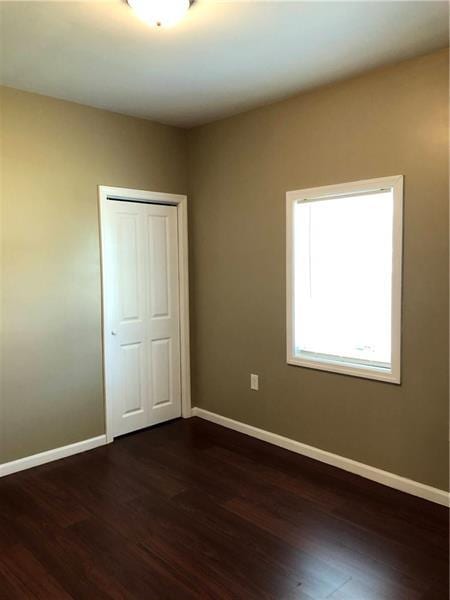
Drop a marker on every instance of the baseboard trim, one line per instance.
(347, 464)
(35, 460)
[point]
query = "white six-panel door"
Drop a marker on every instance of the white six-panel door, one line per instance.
(142, 336)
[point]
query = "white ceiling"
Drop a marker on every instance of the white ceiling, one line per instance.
(225, 57)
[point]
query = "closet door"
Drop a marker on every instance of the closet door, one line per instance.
(142, 314)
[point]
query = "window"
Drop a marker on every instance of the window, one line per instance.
(344, 257)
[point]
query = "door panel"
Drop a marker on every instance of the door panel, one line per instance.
(142, 314)
(128, 267)
(161, 372)
(158, 230)
(164, 313)
(132, 363)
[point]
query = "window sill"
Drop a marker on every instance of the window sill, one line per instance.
(346, 368)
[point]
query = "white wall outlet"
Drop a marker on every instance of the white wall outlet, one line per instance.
(254, 382)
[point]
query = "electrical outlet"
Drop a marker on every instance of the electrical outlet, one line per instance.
(254, 382)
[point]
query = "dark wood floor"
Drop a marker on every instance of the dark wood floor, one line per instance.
(192, 510)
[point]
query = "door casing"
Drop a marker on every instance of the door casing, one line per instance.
(106, 194)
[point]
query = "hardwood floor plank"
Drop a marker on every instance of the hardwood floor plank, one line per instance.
(301, 569)
(319, 541)
(142, 575)
(191, 510)
(22, 567)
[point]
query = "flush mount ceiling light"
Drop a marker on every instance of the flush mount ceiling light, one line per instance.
(160, 13)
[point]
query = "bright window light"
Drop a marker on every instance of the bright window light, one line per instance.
(344, 282)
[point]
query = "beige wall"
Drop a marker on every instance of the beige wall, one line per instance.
(54, 154)
(388, 122)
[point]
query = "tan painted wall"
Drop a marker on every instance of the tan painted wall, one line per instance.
(54, 154)
(388, 122)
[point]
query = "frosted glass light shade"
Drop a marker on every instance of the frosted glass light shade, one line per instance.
(160, 13)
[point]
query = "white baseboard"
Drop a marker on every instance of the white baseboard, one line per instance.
(384, 477)
(50, 455)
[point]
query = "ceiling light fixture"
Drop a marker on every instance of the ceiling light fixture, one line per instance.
(160, 13)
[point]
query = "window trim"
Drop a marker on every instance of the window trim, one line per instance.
(392, 375)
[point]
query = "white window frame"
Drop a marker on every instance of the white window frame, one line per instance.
(392, 375)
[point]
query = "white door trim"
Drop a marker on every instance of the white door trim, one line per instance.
(106, 193)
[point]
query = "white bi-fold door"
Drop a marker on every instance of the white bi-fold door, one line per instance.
(142, 319)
